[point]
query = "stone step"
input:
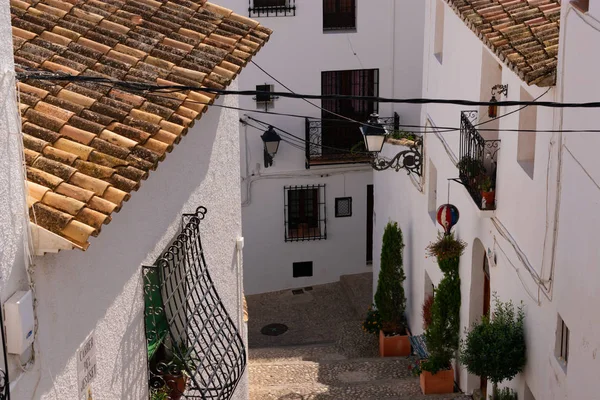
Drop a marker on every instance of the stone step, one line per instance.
(330, 372)
(313, 352)
(374, 390)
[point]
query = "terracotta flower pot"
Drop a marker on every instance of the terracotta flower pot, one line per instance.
(394, 346)
(176, 385)
(490, 199)
(440, 383)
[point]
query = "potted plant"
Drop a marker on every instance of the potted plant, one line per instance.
(470, 167)
(495, 348)
(172, 365)
(372, 323)
(159, 394)
(390, 300)
(442, 333)
(488, 196)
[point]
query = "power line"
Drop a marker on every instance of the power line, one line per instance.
(176, 88)
(441, 129)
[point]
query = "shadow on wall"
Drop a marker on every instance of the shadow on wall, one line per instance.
(101, 289)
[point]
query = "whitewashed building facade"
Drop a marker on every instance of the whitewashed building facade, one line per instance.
(77, 155)
(534, 244)
(306, 217)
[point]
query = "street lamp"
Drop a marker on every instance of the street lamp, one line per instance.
(375, 135)
(271, 144)
(496, 90)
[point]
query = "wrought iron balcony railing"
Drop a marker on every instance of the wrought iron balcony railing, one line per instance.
(194, 348)
(478, 162)
(271, 8)
(338, 141)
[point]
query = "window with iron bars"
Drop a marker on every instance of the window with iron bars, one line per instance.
(271, 8)
(305, 213)
(339, 14)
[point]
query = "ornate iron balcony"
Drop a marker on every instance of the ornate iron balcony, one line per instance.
(338, 141)
(478, 162)
(194, 348)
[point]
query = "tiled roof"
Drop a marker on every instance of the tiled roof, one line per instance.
(89, 145)
(522, 33)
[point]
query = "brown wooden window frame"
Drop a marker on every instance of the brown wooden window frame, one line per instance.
(339, 15)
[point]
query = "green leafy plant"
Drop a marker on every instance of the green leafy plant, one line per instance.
(442, 334)
(372, 323)
(485, 183)
(471, 167)
(495, 348)
(403, 135)
(443, 331)
(426, 312)
(504, 394)
(159, 394)
(446, 247)
(389, 297)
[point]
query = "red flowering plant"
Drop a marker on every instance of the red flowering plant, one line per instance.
(415, 368)
(426, 313)
(372, 323)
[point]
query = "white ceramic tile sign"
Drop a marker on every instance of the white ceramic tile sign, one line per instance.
(86, 367)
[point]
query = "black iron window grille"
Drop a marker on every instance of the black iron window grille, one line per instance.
(343, 207)
(339, 14)
(271, 8)
(305, 213)
(478, 162)
(194, 348)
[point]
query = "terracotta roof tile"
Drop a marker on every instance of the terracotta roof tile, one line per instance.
(87, 145)
(522, 33)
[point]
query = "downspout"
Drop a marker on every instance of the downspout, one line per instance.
(393, 51)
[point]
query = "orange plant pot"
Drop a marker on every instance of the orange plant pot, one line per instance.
(440, 383)
(490, 199)
(394, 346)
(176, 385)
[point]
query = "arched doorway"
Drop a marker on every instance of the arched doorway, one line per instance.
(480, 301)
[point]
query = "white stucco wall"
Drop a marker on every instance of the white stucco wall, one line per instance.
(101, 289)
(524, 206)
(13, 212)
(297, 53)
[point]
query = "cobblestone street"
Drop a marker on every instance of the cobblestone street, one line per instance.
(324, 354)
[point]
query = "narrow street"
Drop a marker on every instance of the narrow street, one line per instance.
(324, 354)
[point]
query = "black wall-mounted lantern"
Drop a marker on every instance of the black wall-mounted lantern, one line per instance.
(271, 144)
(496, 90)
(375, 135)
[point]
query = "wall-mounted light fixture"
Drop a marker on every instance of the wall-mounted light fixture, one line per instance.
(496, 90)
(375, 135)
(271, 144)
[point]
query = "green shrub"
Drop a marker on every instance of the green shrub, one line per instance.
(504, 394)
(372, 323)
(390, 300)
(443, 332)
(495, 348)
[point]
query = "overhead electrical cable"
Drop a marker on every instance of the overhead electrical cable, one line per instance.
(175, 88)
